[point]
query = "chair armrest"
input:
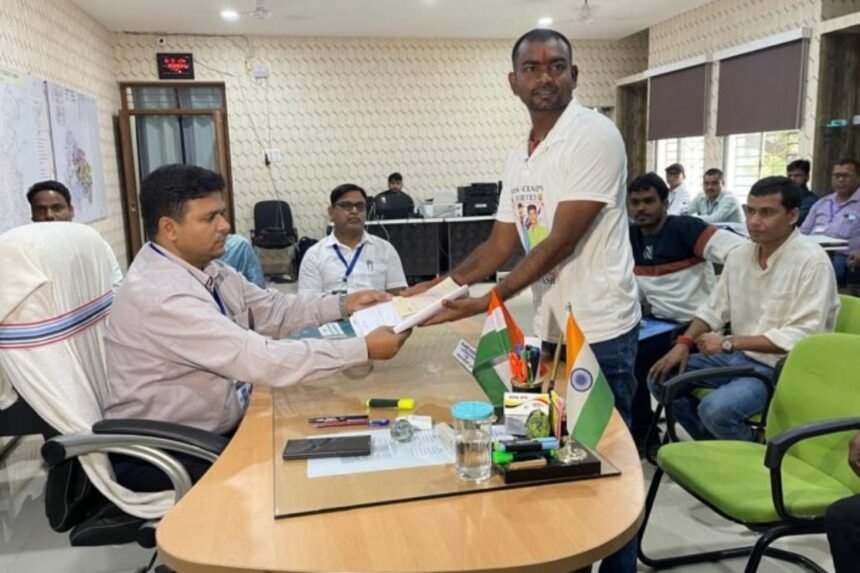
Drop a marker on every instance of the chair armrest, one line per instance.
(202, 439)
(66, 446)
(778, 446)
(684, 383)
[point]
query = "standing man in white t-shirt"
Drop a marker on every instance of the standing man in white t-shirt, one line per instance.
(571, 173)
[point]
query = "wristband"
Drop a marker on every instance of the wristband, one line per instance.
(686, 341)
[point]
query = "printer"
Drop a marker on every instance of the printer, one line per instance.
(479, 198)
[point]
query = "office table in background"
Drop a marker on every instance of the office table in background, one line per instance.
(428, 247)
(226, 523)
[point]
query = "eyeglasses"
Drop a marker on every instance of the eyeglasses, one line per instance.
(349, 206)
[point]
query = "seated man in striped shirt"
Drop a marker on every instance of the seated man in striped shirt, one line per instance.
(673, 255)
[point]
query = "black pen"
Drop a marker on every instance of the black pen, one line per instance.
(330, 419)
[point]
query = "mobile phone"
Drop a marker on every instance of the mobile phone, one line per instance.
(334, 447)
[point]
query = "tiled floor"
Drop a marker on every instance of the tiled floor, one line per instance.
(27, 544)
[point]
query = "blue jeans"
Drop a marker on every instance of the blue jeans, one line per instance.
(617, 358)
(723, 413)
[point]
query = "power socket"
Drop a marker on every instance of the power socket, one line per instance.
(273, 155)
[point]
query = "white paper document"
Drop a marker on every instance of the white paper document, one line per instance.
(404, 313)
(425, 449)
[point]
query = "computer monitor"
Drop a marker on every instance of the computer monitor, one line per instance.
(393, 206)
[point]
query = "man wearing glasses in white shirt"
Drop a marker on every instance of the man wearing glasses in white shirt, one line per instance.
(350, 259)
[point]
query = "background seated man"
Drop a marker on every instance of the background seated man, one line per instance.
(679, 196)
(674, 272)
(798, 171)
(774, 290)
(838, 214)
(239, 253)
(187, 333)
(350, 259)
(51, 201)
(715, 204)
(395, 187)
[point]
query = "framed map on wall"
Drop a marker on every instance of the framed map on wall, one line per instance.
(77, 150)
(25, 144)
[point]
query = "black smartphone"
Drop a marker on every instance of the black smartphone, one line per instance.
(334, 447)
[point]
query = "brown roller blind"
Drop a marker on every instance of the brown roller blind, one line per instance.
(762, 91)
(677, 102)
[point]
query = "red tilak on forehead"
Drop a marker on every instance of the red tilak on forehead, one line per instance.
(544, 57)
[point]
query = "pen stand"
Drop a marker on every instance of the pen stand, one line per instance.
(517, 386)
(554, 470)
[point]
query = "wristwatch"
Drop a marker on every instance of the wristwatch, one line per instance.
(341, 303)
(727, 344)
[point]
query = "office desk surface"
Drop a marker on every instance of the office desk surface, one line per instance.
(226, 522)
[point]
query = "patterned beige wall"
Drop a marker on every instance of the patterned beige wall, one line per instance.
(439, 111)
(727, 23)
(55, 41)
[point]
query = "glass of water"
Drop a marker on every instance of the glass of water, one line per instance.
(473, 423)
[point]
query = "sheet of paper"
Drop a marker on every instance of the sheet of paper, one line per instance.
(403, 313)
(368, 319)
(409, 305)
(425, 449)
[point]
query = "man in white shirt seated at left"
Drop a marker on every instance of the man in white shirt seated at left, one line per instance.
(350, 259)
(51, 201)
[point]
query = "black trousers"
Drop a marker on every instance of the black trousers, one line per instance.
(137, 475)
(650, 351)
(842, 524)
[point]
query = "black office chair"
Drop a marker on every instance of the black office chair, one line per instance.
(388, 205)
(273, 229)
(273, 225)
(51, 359)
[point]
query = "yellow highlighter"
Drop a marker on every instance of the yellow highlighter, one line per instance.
(400, 403)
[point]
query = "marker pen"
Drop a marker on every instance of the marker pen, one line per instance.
(401, 403)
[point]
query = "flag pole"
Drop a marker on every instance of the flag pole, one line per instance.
(557, 357)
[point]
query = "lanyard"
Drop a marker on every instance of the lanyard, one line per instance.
(838, 209)
(214, 291)
(709, 206)
(350, 266)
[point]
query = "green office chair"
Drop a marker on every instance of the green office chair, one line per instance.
(783, 487)
(847, 321)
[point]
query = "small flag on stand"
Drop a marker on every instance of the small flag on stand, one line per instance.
(589, 398)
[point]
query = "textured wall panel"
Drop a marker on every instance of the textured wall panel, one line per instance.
(55, 41)
(726, 23)
(439, 111)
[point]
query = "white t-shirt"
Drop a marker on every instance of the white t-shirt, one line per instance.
(581, 159)
(378, 266)
(679, 200)
(795, 296)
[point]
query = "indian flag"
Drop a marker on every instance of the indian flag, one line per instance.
(589, 398)
(501, 334)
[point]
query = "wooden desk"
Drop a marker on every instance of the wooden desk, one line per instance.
(226, 522)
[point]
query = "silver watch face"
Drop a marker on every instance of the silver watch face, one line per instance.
(727, 345)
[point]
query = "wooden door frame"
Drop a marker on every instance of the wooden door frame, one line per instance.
(134, 234)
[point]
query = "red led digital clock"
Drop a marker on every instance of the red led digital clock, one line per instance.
(175, 66)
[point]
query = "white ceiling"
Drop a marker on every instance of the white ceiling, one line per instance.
(503, 19)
